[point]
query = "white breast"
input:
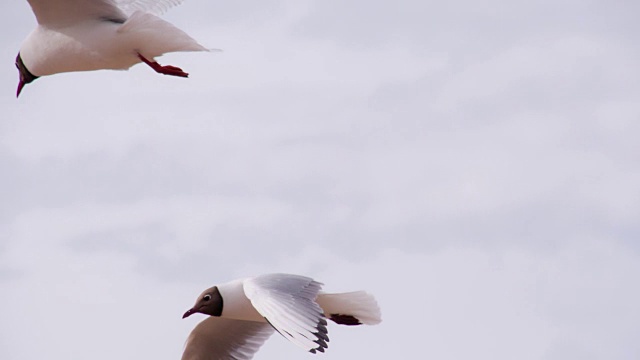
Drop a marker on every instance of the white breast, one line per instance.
(89, 46)
(235, 304)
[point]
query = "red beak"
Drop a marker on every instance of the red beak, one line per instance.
(20, 86)
(189, 313)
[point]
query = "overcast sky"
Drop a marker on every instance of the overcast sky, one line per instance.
(474, 165)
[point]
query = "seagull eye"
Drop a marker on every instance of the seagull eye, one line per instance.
(206, 297)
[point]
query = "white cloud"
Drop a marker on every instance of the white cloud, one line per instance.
(473, 166)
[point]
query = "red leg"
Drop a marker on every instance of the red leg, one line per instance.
(166, 70)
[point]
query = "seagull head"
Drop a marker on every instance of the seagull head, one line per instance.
(209, 303)
(25, 75)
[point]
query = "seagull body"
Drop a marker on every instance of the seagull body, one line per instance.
(86, 35)
(244, 314)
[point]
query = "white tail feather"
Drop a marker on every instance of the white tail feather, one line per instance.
(359, 304)
(156, 36)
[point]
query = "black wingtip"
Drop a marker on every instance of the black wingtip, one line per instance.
(315, 351)
(322, 343)
(322, 334)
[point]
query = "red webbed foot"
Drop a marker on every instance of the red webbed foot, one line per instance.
(166, 69)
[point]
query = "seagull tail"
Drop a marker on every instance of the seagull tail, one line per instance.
(352, 308)
(156, 36)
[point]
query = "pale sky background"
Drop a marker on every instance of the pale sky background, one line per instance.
(475, 165)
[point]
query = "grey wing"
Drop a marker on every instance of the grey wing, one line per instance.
(60, 13)
(288, 303)
(156, 7)
(219, 338)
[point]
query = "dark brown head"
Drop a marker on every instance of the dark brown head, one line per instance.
(209, 302)
(25, 75)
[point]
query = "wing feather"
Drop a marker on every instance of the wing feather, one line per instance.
(288, 303)
(156, 7)
(60, 13)
(219, 338)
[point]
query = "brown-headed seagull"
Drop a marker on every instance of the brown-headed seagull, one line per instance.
(86, 35)
(244, 313)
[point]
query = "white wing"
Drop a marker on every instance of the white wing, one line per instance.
(219, 338)
(59, 13)
(288, 304)
(156, 7)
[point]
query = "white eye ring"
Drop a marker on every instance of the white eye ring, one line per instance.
(206, 297)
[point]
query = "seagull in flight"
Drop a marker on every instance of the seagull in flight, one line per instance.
(244, 313)
(86, 35)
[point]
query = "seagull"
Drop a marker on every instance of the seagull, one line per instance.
(244, 313)
(87, 35)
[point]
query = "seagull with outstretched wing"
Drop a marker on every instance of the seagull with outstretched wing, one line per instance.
(86, 35)
(244, 313)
